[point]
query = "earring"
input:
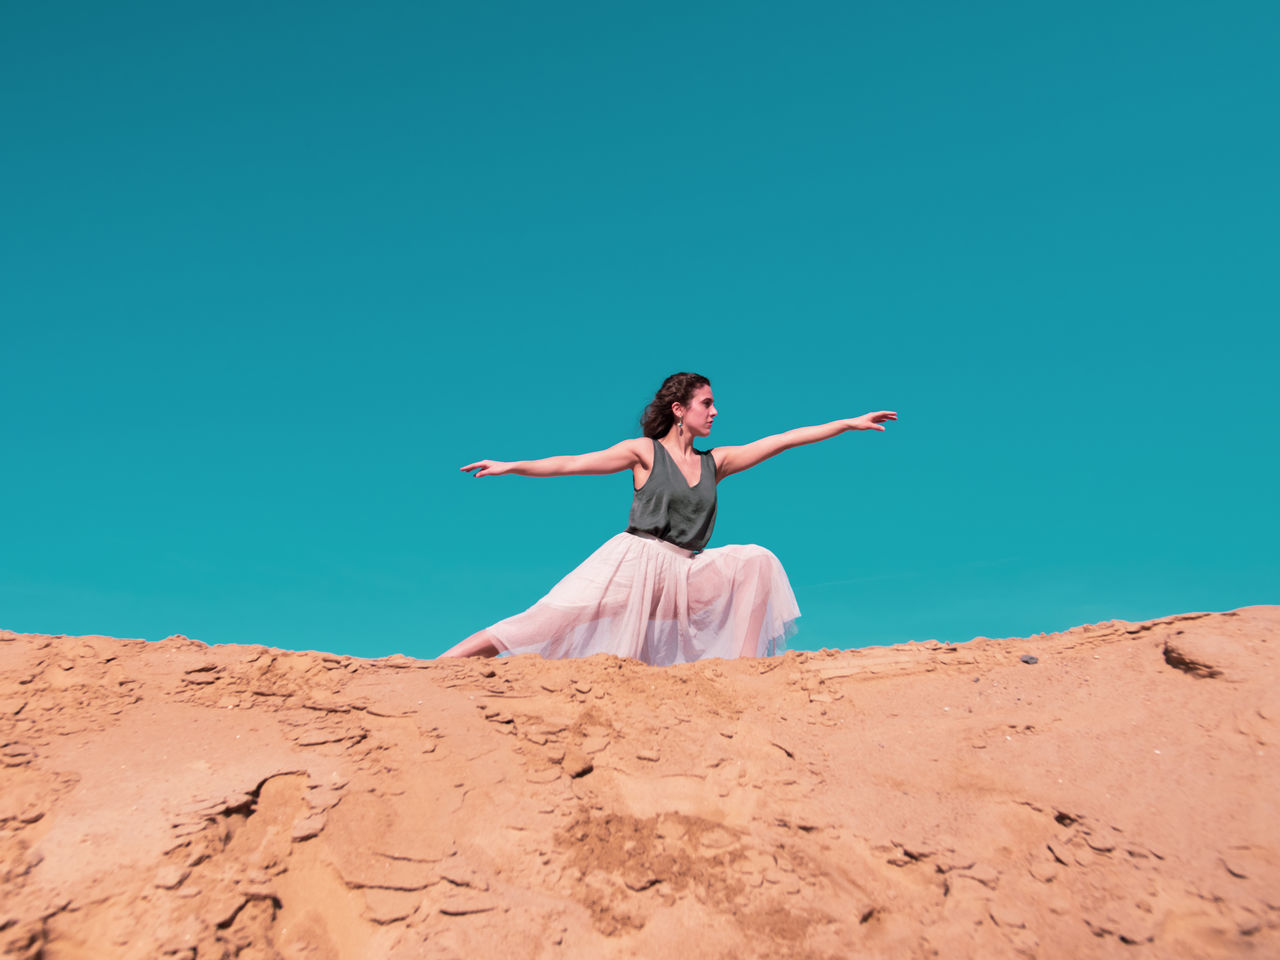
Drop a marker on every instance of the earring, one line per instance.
(680, 424)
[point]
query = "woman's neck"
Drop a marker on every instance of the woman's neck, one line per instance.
(677, 444)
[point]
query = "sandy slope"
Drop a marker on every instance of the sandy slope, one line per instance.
(1116, 798)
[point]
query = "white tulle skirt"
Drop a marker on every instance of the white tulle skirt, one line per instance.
(651, 600)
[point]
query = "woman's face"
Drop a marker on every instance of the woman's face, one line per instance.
(700, 412)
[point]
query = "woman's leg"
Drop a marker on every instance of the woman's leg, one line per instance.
(755, 623)
(482, 644)
(755, 579)
(739, 598)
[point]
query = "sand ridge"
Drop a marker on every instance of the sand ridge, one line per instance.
(1113, 798)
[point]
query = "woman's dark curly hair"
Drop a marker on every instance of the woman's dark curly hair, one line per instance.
(677, 388)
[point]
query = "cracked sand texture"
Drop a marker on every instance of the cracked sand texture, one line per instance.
(1115, 798)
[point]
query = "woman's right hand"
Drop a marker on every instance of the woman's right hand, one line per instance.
(488, 468)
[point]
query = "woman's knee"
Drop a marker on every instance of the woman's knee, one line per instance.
(759, 560)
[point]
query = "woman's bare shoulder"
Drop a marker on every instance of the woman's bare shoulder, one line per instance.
(642, 448)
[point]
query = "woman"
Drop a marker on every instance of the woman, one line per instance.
(654, 592)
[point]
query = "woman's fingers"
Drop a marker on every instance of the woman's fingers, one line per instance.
(872, 421)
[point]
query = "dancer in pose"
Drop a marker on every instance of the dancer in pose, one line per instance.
(654, 592)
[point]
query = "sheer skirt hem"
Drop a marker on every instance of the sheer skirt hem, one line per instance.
(635, 597)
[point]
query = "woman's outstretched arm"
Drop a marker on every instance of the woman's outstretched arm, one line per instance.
(619, 457)
(731, 460)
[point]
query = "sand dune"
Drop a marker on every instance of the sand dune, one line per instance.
(1117, 797)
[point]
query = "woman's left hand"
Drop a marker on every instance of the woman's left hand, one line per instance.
(872, 421)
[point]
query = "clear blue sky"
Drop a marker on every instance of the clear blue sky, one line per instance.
(273, 272)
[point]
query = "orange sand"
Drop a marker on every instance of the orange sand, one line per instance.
(1117, 798)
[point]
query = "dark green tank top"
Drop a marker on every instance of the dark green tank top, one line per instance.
(669, 509)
